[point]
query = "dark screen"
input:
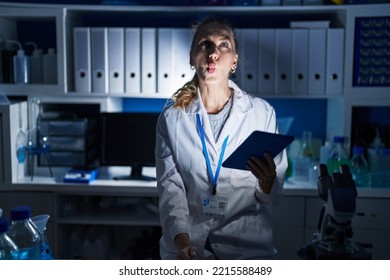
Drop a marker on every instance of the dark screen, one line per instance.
(128, 139)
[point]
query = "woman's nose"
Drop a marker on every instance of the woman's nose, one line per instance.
(213, 53)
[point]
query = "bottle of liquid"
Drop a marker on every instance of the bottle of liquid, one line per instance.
(338, 155)
(50, 67)
(359, 168)
(40, 222)
(25, 234)
(7, 69)
(36, 65)
(8, 249)
(21, 66)
(375, 160)
(302, 162)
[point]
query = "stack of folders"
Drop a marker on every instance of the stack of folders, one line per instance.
(289, 61)
(131, 60)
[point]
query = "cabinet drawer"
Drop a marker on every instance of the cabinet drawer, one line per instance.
(79, 127)
(372, 213)
(72, 143)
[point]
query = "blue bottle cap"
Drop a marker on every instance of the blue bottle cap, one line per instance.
(3, 225)
(20, 212)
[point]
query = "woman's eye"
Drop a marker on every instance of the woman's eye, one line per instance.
(203, 43)
(225, 44)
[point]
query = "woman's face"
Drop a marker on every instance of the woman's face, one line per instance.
(214, 53)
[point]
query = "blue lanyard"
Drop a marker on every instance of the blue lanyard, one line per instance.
(214, 178)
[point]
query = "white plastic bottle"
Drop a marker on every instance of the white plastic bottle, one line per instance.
(50, 67)
(36, 65)
(21, 65)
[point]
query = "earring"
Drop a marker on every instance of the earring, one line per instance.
(233, 70)
(192, 67)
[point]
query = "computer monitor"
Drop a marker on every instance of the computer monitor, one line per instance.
(128, 139)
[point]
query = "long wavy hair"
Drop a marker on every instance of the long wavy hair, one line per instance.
(184, 96)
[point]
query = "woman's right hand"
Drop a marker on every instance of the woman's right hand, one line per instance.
(187, 253)
(185, 250)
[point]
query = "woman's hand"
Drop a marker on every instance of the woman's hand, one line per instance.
(265, 172)
(185, 250)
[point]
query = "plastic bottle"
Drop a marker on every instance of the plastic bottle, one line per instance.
(359, 168)
(36, 65)
(7, 67)
(302, 162)
(21, 66)
(375, 160)
(338, 155)
(50, 67)
(8, 249)
(25, 234)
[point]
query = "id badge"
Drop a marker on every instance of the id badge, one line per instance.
(215, 206)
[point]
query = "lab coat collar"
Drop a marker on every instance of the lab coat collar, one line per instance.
(241, 105)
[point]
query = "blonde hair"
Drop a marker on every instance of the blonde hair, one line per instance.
(184, 96)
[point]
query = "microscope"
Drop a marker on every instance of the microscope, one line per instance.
(333, 237)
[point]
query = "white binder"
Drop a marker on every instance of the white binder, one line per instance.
(99, 59)
(334, 61)
(165, 61)
(283, 61)
(317, 53)
(116, 61)
(82, 58)
(249, 56)
(132, 60)
(148, 60)
(267, 61)
(182, 46)
(300, 61)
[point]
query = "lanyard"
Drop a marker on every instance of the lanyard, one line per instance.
(214, 178)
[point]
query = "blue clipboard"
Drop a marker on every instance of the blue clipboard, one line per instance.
(258, 143)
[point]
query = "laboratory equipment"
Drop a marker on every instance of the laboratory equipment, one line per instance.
(24, 233)
(338, 155)
(8, 249)
(40, 222)
(359, 168)
(333, 237)
(36, 64)
(21, 65)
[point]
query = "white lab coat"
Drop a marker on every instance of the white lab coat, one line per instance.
(245, 232)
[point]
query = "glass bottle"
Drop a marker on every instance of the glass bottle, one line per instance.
(302, 162)
(40, 222)
(338, 155)
(8, 249)
(24, 233)
(359, 168)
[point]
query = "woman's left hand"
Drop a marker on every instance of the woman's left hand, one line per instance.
(265, 172)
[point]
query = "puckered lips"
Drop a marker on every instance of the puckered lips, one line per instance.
(211, 68)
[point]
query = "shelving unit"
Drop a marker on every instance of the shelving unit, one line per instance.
(62, 19)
